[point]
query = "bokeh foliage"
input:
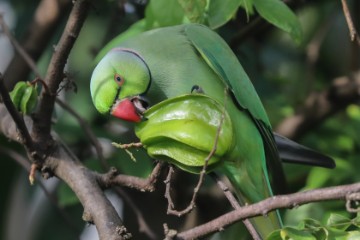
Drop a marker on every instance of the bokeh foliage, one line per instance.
(276, 57)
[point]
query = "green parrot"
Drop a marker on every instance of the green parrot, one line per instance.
(172, 62)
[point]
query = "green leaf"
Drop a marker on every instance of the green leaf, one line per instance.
(338, 221)
(278, 13)
(248, 6)
(320, 233)
(194, 10)
(309, 223)
(163, 13)
(221, 12)
(275, 235)
(295, 234)
(17, 94)
(335, 229)
(353, 235)
(356, 221)
(343, 235)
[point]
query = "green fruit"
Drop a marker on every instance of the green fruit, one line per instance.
(183, 130)
(24, 96)
(17, 93)
(29, 99)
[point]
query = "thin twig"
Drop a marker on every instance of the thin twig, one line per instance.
(354, 36)
(169, 233)
(271, 204)
(128, 145)
(168, 188)
(190, 207)
(112, 178)
(353, 198)
(228, 194)
(143, 226)
(235, 204)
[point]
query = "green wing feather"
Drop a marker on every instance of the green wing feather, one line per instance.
(224, 63)
(216, 53)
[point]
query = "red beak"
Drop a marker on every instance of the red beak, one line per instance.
(125, 110)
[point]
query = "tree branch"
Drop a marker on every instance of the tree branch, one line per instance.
(31, 63)
(319, 106)
(112, 178)
(80, 179)
(143, 225)
(59, 160)
(354, 36)
(55, 74)
(235, 204)
(270, 204)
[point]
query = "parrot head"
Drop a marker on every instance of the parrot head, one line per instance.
(118, 84)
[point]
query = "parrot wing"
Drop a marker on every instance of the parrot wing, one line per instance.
(220, 58)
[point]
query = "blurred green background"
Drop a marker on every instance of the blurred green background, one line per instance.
(283, 71)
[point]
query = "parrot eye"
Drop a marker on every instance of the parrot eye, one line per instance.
(118, 79)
